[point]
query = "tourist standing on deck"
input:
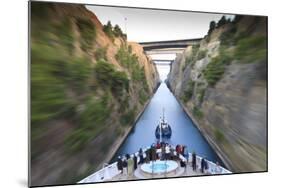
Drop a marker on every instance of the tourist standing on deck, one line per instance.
(125, 165)
(194, 161)
(162, 157)
(167, 150)
(153, 153)
(135, 162)
(186, 154)
(172, 153)
(158, 145)
(120, 164)
(203, 165)
(141, 156)
(147, 155)
(130, 166)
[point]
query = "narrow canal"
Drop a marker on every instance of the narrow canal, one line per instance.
(183, 130)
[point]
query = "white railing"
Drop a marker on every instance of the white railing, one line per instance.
(212, 167)
(110, 171)
(105, 174)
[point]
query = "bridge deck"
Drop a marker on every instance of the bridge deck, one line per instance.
(149, 46)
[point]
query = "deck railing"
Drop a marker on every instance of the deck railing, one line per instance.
(109, 171)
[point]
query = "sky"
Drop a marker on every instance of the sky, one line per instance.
(144, 25)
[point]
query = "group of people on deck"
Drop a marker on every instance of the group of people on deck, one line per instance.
(128, 164)
(159, 151)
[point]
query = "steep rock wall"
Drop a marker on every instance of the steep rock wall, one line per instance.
(222, 85)
(87, 89)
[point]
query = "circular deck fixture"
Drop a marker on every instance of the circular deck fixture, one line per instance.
(159, 167)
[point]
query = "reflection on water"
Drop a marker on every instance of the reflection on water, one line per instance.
(184, 131)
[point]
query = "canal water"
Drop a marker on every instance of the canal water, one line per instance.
(183, 130)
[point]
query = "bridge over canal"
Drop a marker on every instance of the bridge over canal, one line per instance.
(157, 49)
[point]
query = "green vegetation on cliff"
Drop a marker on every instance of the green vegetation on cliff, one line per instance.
(107, 76)
(197, 112)
(87, 31)
(214, 71)
(113, 32)
(251, 49)
(188, 92)
(91, 122)
(219, 135)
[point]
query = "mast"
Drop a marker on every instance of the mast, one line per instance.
(161, 126)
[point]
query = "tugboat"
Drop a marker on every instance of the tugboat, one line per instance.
(163, 129)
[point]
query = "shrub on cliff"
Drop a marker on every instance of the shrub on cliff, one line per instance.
(212, 26)
(197, 112)
(65, 34)
(127, 118)
(91, 123)
(219, 136)
(201, 94)
(125, 57)
(227, 38)
(111, 78)
(143, 96)
(222, 21)
(108, 30)
(187, 95)
(100, 53)
(103, 71)
(214, 71)
(117, 31)
(120, 81)
(201, 54)
(87, 31)
(77, 73)
(251, 49)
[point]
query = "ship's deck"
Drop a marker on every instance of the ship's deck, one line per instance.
(111, 173)
(138, 174)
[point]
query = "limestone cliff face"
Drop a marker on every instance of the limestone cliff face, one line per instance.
(87, 89)
(222, 85)
(149, 68)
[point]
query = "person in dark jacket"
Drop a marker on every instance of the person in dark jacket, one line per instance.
(141, 156)
(203, 165)
(182, 164)
(125, 165)
(206, 165)
(135, 162)
(127, 156)
(120, 164)
(162, 152)
(177, 148)
(148, 155)
(194, 161)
